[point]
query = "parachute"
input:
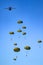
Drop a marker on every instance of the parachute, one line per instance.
(16, 49)
(19, 30)
(14, 59)
(11, 32)
(23, 27)
(15, 44)
(20, 22)
(27, 47)
(39, 41)
(24, 33)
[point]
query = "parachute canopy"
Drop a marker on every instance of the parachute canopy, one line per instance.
(16, 49)
(11, 32)
(39, 41)
(27, 47)
(14, 59)
(23, 27)
(24, 33)
(19, 30)
(20, 22)
(15, 44)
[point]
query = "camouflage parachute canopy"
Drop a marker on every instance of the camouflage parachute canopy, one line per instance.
(14, 59)
(19, 30)
(39, 41)
(16, 49)
(23, 33)
(15, 44)
(20, 22)
(11, 32)
(24, 27)
(27, 47)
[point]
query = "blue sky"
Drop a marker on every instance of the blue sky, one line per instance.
(31, 13)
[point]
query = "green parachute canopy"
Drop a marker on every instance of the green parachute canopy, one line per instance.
(23, 27)
(11, 32)
(20, 22)
(19, 30)
(27, 47)
(39, 41)
(16, 49)
(23, 33)
(14, 59)
(15, 44)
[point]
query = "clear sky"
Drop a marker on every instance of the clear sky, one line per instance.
(31, 13)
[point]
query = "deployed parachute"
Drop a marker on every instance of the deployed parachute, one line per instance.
(39, 41)
(10, 8)
(11, 33)
(15, 44)
(20, 22)
(19, 30)
(27, 47)
(14, 59)
(24, 33)
(23, 27)
(16, 49)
